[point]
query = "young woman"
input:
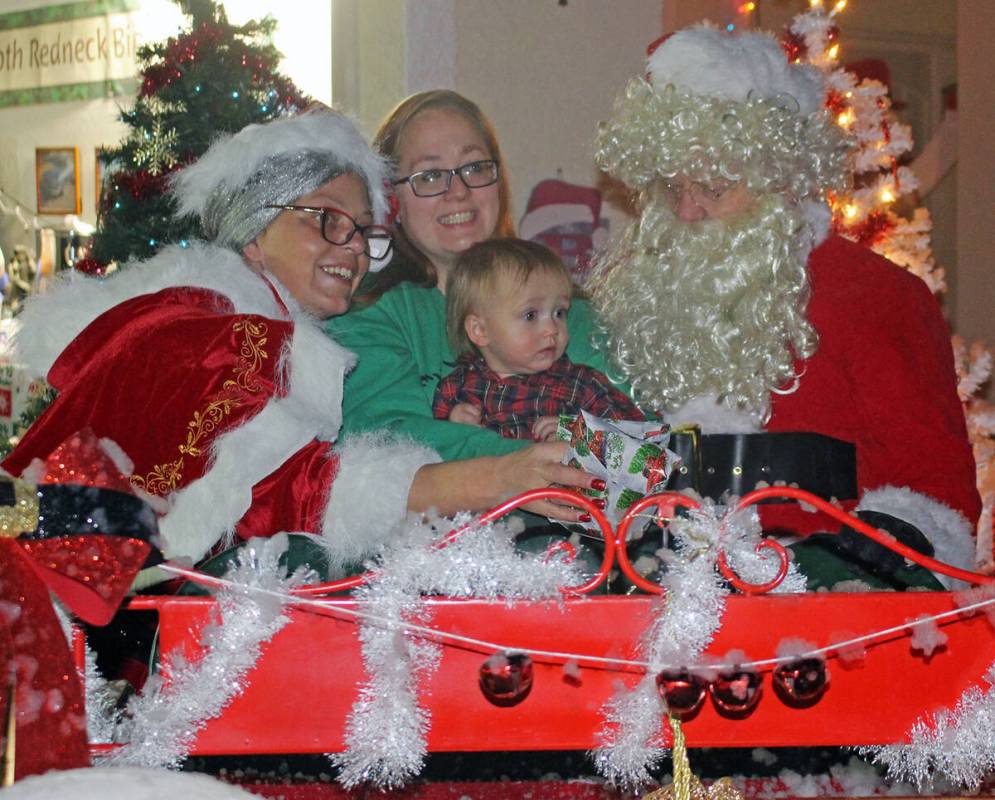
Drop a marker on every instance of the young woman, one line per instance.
(451, 192)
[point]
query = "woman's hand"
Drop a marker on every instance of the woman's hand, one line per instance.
(480, 484)
(539, 467)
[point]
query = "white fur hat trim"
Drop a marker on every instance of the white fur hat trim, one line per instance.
(233, 160)
(734, 66)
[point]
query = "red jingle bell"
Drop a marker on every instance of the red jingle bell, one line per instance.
(506, 679)
(736, 693)
(801, 682)
(682, 691)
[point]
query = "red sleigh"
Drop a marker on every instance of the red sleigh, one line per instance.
(314, 666)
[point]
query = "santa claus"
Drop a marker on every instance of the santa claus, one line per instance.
(803, 358)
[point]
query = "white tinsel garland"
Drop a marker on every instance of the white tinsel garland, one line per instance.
(160, 725)
(99, 696)
(101, 699)
(386, 732)
(958, 745)
(690, 612)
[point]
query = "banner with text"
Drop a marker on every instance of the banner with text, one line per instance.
(72, 51)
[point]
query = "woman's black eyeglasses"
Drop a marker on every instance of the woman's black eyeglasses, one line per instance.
(433, 182)
(337, 227)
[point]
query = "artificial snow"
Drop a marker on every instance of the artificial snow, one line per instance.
(927, 638)
(122, 783)
(850, 655)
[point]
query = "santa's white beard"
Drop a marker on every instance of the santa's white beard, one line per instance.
(708, 308)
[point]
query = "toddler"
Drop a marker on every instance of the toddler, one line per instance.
(506, 316)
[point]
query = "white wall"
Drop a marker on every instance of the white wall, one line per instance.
(551, 77)
(83, 124)
(544, 73)
(975, 289)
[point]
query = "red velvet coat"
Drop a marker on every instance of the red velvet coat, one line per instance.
(883, 377)
(224, 394)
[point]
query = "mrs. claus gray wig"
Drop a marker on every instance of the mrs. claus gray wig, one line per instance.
(274, 163)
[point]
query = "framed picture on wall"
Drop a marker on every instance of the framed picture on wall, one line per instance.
(57, 180)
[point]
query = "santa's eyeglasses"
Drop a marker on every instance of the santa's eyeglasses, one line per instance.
(675, 188)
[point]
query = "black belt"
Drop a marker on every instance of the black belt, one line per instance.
(716, 463)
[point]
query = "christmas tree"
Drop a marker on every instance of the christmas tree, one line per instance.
(863, 107)
(215, 78)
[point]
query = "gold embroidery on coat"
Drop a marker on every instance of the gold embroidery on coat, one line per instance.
(164, 478)
(251, 355)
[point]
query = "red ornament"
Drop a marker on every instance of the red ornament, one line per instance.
(794, 45)
(885, 130)
(90, 266)
(141, 184)
(801, 682)
(158, 76)
(871, 230)
(835, 102)
(682, 691)
(736, 693)
(506, 679)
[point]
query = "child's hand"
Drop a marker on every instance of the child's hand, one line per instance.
(465, 414)
(544, 429)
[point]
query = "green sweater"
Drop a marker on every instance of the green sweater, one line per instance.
(403, 353)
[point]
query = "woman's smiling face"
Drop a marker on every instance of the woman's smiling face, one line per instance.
(444, 226)
(320, 275)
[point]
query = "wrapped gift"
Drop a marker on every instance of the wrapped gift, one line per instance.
(631, 457)
(19, 392)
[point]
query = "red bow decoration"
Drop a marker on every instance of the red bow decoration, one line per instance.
(393, 205)
(86, 566)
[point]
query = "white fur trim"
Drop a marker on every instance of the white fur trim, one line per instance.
(208, 509)
(552, 215)
(317, 367)
(50, 321)
(370, 494)
(818, 224)
(714, 417)
(232, 160)
(706, 60)
(947, 530)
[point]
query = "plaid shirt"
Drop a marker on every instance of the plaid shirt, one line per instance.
(511, 405)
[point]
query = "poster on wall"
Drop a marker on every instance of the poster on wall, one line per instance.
(68, 51)
(57, 180)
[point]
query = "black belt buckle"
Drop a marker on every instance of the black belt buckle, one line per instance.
(685, 441)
